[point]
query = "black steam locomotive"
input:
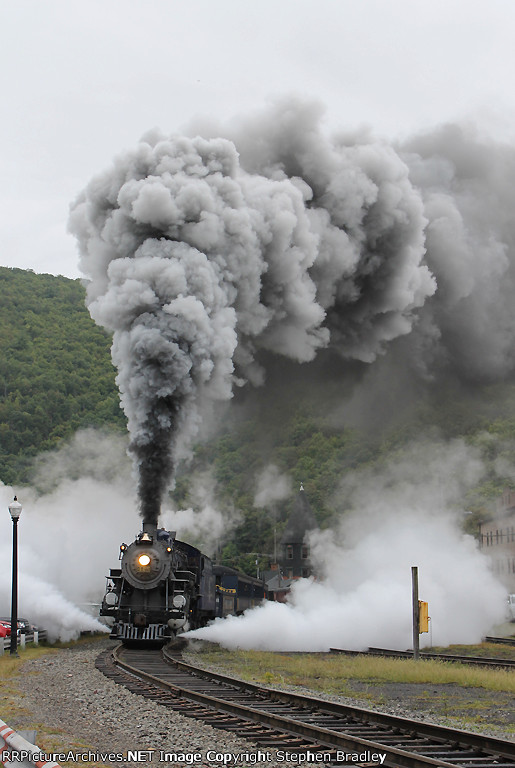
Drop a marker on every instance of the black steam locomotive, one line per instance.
(165, 586)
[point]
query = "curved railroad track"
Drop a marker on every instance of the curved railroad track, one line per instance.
(297, 724)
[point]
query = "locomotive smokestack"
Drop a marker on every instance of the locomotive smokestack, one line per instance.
(150, 528)
(150, 508)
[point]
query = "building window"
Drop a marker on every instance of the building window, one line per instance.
(289, 552)
(305, 551)
(305, 572)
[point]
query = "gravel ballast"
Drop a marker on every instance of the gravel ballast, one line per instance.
(64, 692)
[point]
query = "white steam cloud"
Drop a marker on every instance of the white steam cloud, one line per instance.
(404, 516)
(64, 550)
(71, 528)
(69, 533)
(204, 524)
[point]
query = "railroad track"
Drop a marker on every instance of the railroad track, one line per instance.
(500, 640)
(481, 661)
(297, 724)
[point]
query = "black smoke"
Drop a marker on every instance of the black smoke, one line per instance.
(204, 254)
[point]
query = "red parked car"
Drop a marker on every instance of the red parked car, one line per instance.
(24, 626)
(5, 629)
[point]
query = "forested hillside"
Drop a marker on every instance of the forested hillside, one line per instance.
(55, 368)
(56, 376)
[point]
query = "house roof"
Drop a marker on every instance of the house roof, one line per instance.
(278, 583)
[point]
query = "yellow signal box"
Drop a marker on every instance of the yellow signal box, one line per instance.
(423, 617)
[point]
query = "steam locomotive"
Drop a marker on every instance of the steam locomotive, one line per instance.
(165, 586)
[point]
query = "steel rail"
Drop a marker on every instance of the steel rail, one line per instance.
(449, 747)
(478, 661)
(500, 640)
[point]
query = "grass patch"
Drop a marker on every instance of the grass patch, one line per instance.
(11, 665)
(330, 673)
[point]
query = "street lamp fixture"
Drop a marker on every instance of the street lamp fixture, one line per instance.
(15, 512)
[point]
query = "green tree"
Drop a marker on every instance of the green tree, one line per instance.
(56, 373)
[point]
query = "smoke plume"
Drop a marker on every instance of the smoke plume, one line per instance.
(198, 260)
(203, 252)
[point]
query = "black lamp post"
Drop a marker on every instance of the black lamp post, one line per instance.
(15, 512)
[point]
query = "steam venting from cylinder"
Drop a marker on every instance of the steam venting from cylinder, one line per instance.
(203, 251)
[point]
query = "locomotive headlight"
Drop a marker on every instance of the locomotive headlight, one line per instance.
(179, 601)
(111, 598)
(144, 560)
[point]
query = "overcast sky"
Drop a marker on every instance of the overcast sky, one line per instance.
(84, 79)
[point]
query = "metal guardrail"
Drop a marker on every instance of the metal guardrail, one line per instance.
(30, 637)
